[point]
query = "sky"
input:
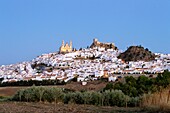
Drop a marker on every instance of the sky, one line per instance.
(29, 28)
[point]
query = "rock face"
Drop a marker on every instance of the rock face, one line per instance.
(96, 43)
(137, 53)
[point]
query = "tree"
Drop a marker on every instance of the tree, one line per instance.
(27, 94)
(109, 86)
(87, 97)
(95, 98)
(147, 49)
(40, 92)
(130, 80)
(57, 95)
(20, 93)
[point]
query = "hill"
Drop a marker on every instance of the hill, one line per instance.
(137, 53)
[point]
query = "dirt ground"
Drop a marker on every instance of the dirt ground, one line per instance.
(9, 91)
(77, 86)
(93, 85)
(23, 107)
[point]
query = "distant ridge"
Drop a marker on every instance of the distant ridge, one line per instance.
(137, 53)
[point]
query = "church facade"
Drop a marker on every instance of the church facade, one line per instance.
(66, 48)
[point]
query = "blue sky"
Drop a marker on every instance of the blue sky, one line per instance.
(29, 28)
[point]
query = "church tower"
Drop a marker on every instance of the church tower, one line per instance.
(62, 43)
(70, 44)
(66, 48)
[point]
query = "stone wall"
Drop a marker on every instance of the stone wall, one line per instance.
(96, 43)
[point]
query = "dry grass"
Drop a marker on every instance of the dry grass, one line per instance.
(93, 85)
(23, 107)
(159, 101)
(9, 91)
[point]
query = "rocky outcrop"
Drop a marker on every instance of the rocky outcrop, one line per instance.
(137, 53)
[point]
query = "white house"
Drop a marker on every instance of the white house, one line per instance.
(112, 79)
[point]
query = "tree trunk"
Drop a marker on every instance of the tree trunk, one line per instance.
(55, 105)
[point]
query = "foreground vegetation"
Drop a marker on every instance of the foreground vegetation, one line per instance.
(131, 93)
(148, 93)
(142, 85)
(52, 94)
(32, 82)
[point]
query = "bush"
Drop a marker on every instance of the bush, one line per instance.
(109, 86)
(121, 94)
(77, 97)
(137, 87)
(33, 82)
(52, 94)
(134, 101)
(115, 98)
(4, 98)
(38, 94)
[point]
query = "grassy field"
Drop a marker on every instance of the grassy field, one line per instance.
(23, 107)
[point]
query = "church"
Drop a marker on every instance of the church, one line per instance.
(66, 48)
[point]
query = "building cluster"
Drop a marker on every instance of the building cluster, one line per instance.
(84, 65)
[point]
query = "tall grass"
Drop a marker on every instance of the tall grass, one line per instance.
(159, 101)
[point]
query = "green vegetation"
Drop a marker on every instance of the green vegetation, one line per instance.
(4, 99)
(32, 82)
(52, 94)
(134, 92)
(142, 85)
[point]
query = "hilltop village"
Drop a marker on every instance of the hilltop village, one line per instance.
(100, 60)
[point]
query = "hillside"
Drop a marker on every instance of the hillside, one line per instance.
(137, 53)
(86, 64)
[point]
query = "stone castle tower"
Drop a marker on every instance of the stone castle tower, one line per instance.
(96, 43)
(66, 48)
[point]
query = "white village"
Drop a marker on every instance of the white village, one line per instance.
(100, 60)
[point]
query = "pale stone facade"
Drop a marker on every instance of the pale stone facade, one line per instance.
(96, 43)
(66, 48)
